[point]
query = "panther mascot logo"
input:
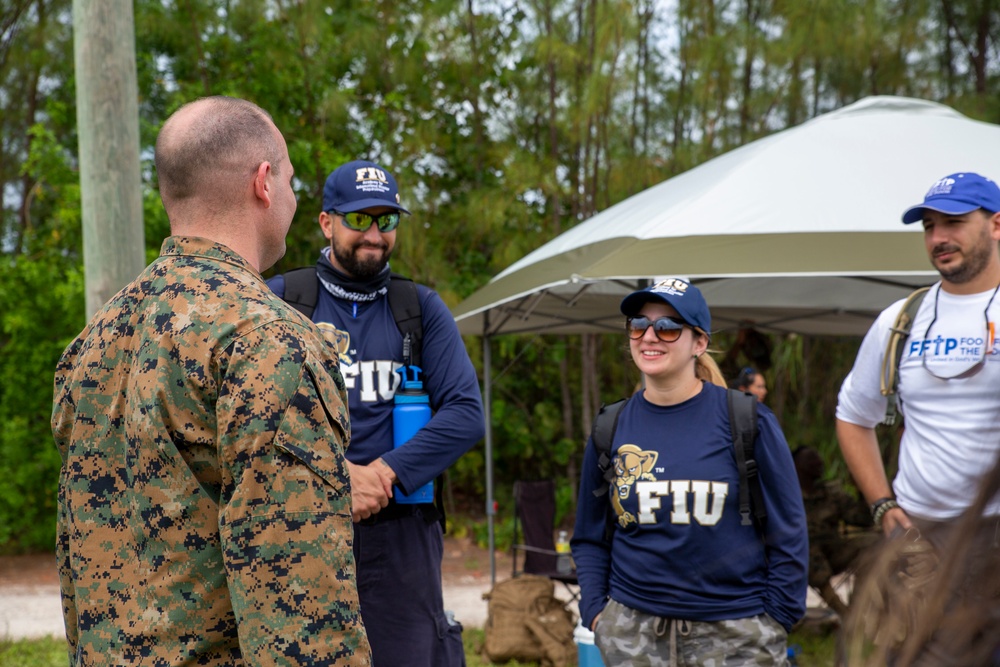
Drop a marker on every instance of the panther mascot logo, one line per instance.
(631, 464)
(338, 340)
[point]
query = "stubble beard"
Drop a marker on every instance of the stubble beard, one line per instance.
(361, 269)
(973, 262)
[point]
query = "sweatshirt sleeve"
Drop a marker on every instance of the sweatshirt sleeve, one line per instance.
(591, 552)
(450, 379)
(277, 285)
(786, 538)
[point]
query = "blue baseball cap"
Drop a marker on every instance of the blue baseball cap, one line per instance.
(684, 297)
(358, 185)
(957, 194)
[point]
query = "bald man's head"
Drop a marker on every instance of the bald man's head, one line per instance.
(208, 150)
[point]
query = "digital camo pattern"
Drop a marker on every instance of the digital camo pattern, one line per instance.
(204, 499)
(627, 637)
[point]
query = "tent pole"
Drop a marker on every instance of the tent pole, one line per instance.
(487, 411)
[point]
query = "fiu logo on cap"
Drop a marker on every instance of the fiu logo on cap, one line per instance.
(942, 187)
(370, 174)
(674, 286)
(372, 179)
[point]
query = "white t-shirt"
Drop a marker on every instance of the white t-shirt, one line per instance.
(951, 437)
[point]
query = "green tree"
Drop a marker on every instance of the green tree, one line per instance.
(506, 122)
(40, 281)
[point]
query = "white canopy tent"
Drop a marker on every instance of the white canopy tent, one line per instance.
(798, 231)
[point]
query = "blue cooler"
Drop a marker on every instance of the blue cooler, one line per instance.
(590, 656)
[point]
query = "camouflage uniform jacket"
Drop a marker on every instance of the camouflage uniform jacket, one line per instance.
(204, 500)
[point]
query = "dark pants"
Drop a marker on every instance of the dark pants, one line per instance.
(399, 584)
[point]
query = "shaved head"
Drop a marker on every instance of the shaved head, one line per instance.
(208, 150)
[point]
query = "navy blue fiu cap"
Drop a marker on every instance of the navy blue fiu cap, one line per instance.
(358, 185)
(957, 194)
(684, 297)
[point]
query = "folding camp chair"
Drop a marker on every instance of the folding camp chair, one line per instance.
(534, 523)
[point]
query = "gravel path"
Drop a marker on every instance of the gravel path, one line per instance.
(30, 611)
(30, 606)
(35, 611)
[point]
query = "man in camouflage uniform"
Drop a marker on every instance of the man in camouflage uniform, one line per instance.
(827, 505)
(204, 501)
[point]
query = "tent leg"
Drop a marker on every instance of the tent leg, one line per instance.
(487, 411)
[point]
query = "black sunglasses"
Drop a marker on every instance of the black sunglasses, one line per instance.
(360, 222)
(667, 329)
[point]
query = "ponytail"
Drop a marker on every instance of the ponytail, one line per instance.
(706, 369)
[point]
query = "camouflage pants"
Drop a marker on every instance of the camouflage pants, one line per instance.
(627, 637)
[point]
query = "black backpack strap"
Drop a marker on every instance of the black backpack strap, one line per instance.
(602, 434)
(302, 290)
(302, 293)
(404, 301)
(743, 427)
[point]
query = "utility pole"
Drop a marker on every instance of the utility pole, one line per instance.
(107, 119)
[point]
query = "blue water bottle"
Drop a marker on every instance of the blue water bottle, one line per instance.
(411, 411)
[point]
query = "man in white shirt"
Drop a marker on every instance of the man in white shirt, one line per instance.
(949, 378)
(949, 372)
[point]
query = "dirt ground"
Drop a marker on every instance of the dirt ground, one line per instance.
(464, 563)
(31, 570)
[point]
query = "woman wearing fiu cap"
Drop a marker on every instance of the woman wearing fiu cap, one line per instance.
(679, 580)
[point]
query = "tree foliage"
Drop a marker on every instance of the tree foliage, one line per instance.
(506, 123)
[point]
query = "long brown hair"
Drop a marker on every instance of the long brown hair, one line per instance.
(912, 597)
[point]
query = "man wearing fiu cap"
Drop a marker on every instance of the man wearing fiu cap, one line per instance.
(949, 374)
(398, 547)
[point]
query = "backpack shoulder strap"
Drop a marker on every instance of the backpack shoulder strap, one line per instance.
(302, 290)
(302, 293)
(743, 428)
(404, 301)
(894, 347)
(602, 435)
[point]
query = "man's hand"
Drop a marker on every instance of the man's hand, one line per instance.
(895, 518)
(371, 488)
